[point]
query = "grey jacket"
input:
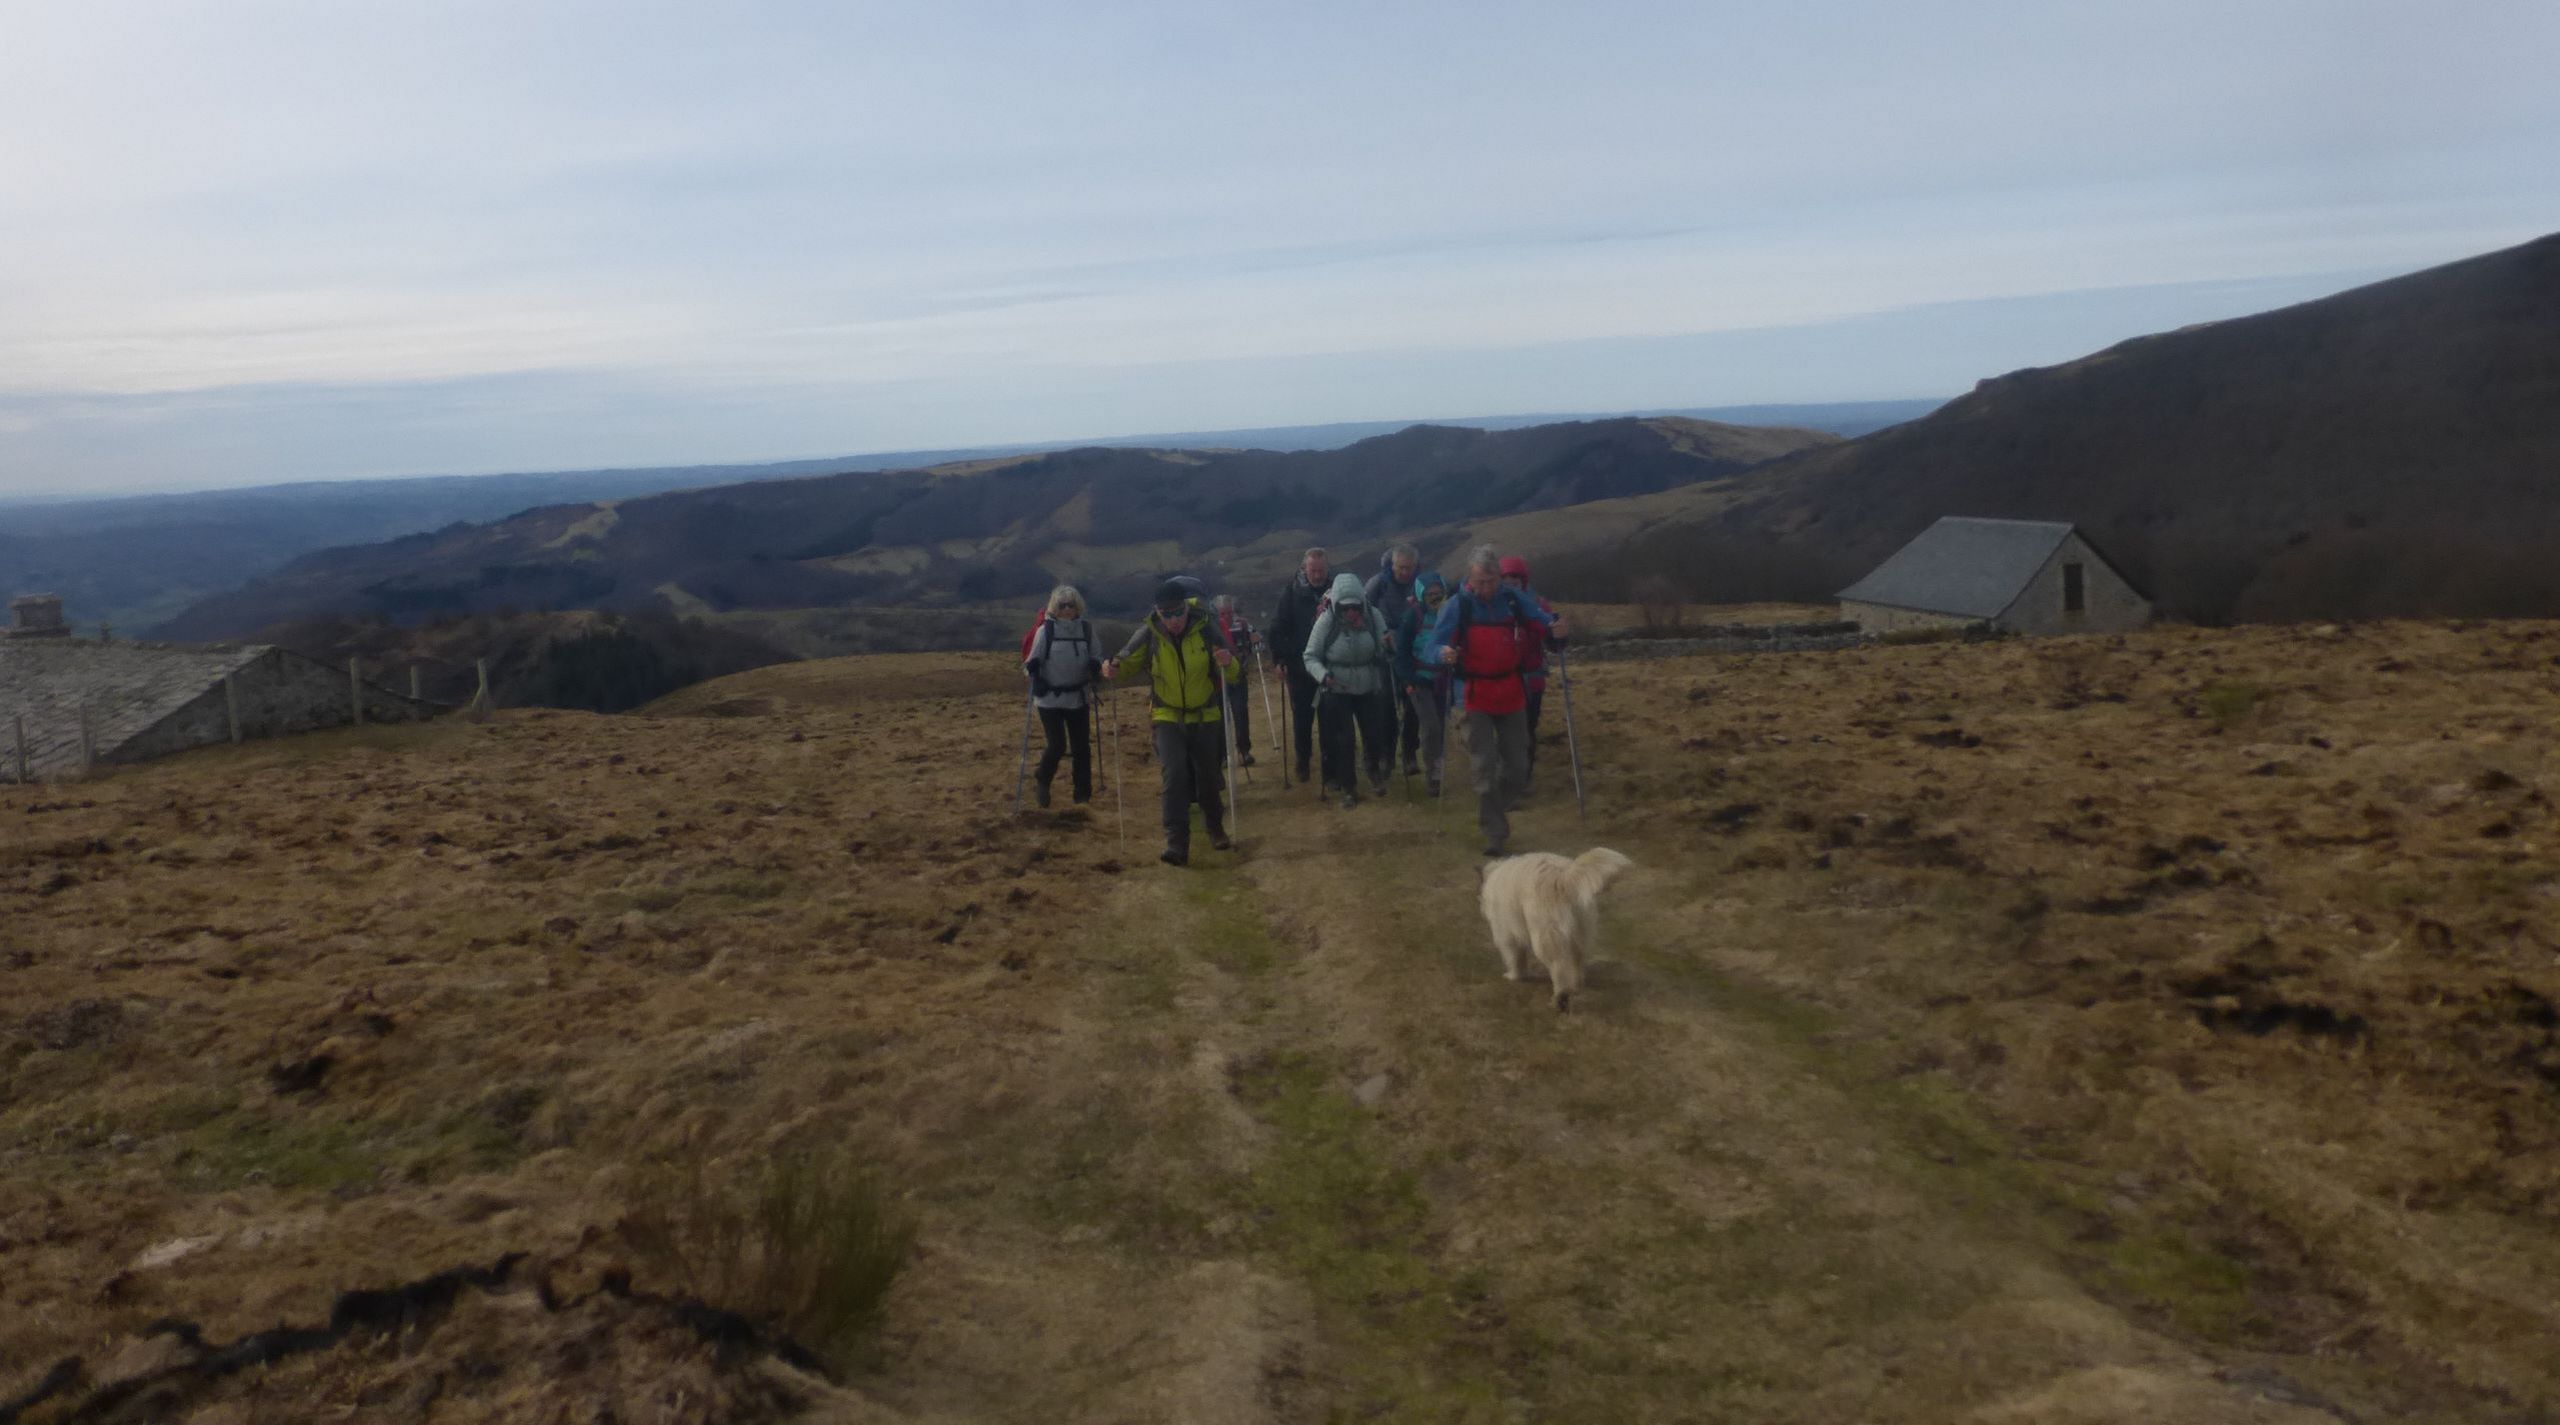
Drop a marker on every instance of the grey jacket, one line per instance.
(1346, 644)
(1064, 659)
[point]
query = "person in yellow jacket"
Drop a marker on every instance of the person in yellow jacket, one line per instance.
(1187, 662)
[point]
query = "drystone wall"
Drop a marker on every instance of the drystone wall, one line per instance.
(77, 701)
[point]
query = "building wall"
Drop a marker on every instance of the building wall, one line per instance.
(2111, 604)
(1884, 618)
(279, 694)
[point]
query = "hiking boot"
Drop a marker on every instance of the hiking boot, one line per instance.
(1244, 759)
(1349, 800)
(1175, 857)
(1413, 766)
(1494, 848)
(1432, 785)
(1302, 771)
(1378, 788)
(1218, 841)
(1040, 793)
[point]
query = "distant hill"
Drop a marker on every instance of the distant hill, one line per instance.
(1002, 529)
(2391, 450)
(137, 560)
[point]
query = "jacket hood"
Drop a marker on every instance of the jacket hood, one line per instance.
(1346, 590)
(1429, 581)
(1514, 564)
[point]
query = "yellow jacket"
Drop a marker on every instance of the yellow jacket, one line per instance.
(1184, 677)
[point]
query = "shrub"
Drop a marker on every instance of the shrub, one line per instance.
(806, 1246)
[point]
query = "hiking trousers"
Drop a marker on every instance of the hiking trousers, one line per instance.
(1065, 728)
(1302, 712)
(1240, 710)
(1498, 745)
(1355, 736)
(1191, 757)
(1426, 718)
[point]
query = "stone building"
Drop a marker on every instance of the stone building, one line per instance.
(37, 616)
(74, 701)
(2020, 576)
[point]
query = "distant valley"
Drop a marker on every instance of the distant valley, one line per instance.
(138, 561)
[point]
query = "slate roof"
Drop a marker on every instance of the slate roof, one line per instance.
(128, 687)
(1970, 568)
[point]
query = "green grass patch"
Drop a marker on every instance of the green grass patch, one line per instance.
(2228, 701)
(2202, 1290)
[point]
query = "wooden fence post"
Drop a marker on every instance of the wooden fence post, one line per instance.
(355, 687)
(413, 682)
(480, 699)
(231, 705)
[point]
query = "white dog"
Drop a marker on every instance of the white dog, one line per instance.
(1549, 907)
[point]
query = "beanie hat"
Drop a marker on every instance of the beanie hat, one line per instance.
(1171, 596)
(1514, 564)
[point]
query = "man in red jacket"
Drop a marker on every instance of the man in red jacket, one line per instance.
(1482, 636)
(1535, 641)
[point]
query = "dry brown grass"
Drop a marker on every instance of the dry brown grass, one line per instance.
(1997, 1032)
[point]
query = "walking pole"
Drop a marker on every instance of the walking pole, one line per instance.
(1022, 767)
(1270, 719)
(1235, 813)
(1119, 809)
(1572, 747)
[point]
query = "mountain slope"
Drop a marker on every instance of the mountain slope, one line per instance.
(2390, 450)
(1114, 519)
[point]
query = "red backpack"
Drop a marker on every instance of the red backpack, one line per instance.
(1034, 635)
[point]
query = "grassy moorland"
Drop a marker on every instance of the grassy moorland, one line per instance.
(2087, 1030)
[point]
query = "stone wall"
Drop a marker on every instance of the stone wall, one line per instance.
(279, 694)
(1882, 619)
(1716, 638)
(140, 701)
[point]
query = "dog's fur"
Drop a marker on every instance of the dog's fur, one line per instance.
(1549, 907)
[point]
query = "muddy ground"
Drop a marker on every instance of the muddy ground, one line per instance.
(2090, 1029)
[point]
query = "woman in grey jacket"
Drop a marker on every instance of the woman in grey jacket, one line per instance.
(1347, 656)
(1064, 662)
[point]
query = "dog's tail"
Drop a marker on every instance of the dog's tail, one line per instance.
(1591, 873)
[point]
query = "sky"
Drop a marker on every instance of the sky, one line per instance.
(266, 240)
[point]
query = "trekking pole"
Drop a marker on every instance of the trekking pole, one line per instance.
(1119, 809)
(1270, 719)
(1022, 765)
(1235, 812)
(1572, 746)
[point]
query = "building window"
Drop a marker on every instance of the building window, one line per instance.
(2075, 590)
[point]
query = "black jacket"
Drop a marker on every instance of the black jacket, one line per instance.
(1287, 629)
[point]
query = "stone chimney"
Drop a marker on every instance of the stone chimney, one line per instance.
(37, 616)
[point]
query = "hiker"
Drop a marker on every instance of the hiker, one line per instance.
(1062, 663)
(1285, 633)
(1239, 636)
(1391, 596)
(1533, 655)
(1179, 648)
(1424, 688)
(1347, 656)
(1481, 636)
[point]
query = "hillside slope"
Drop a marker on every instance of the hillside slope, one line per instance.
(2155, 1029)
(2390, 450)
(999, 529)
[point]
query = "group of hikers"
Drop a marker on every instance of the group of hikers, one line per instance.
(1371, 672)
